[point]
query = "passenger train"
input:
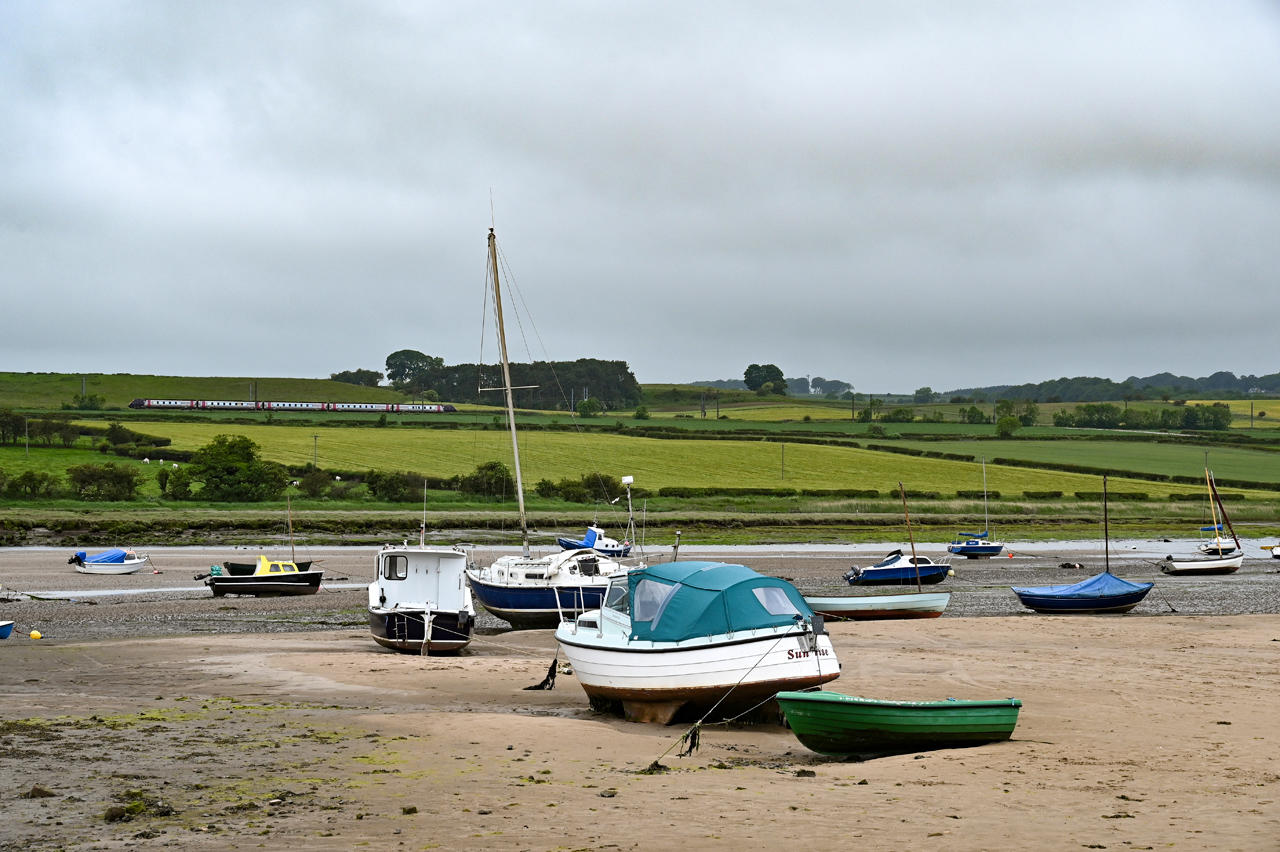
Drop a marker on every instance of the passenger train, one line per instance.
(225, 405)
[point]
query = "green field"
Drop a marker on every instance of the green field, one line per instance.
(1228, 463)
(654, 463)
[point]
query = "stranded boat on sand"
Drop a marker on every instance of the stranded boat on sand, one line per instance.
(114, 561)
(264, 578)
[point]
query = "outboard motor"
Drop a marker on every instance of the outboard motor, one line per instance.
(78, 559)
(852, 574)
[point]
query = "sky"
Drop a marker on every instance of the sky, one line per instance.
(895, 195)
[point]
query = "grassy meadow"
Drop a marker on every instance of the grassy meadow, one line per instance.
(728, 451)
(655, 463)
(1226, 462)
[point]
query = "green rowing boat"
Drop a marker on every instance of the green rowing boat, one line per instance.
(838, 724)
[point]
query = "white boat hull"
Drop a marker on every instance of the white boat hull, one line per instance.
(126, 567)
(1203, 565)
(866, 607)
(655, 681)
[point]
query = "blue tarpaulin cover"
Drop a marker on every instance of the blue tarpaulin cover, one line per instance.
(708, 599)
(107, 557)
(1098, 586)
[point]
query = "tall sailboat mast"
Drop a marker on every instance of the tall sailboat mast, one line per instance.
(986, 517)
(506, 387)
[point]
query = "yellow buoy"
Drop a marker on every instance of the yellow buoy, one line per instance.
(35, 634)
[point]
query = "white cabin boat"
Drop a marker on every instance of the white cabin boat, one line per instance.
(704, 637)
(419, 601)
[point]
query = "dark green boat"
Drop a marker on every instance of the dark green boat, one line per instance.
(844, 725)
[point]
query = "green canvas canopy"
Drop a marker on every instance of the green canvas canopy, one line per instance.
(675, 601)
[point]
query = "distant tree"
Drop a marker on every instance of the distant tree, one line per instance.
(589, 407)
(42, 431)
(642, 413)
(177, 484)
(108, 481)
(491, 479)
(33, 483)
(925, 395)
(117, 434)
(10, 426)
(1004, 408)
(68, 433)
(410, 371)
(394, 487)
(1007, 425)
(229, 469)
(757, 374)
(314, 483)
(364, 378)
(974, 415)
(799, 386)
(1030, 413)
(87, 402)
(899, 415)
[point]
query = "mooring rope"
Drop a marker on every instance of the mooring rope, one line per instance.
(691, 734)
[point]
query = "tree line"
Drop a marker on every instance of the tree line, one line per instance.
(1165, 386)
(548, 385)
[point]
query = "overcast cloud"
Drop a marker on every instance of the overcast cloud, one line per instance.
(931, 193)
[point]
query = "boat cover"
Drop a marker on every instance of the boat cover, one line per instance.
(982, 534)
(674, 601)
(114, 556)
(1212, 528)
(1102, 585)
(587, 541)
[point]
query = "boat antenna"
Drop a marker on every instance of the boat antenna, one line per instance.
(911, 538)
(631, 515)
(422, 527)
(506, 382)
(1106, 530)
(288, 504)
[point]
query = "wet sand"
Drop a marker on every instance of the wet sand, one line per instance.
(196, 726)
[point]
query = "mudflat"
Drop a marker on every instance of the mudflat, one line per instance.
(1136, 733)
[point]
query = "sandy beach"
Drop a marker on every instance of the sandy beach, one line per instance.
(1137, 732)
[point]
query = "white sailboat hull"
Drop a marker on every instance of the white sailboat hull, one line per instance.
(1203, 565)
(654, 681)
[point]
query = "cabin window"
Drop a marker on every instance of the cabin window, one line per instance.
(395, 567)
(616, 598)
(775, 601)
(650, 598)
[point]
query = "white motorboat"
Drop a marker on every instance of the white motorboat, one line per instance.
(419, 601)
(705, 637)
(113, 561)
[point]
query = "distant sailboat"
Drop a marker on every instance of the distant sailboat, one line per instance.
(1220, 556)
(978, 545)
